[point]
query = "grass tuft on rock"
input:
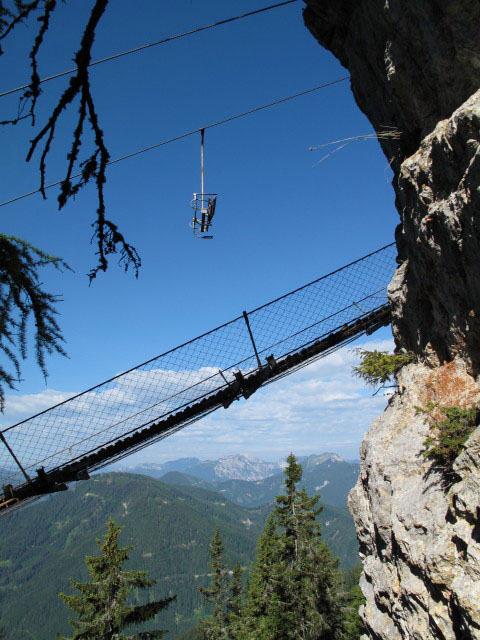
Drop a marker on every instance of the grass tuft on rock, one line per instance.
(451, 428)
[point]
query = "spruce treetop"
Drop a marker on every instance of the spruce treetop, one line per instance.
(293, 592)
(101, 608)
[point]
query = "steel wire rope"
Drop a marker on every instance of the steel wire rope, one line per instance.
(127, 433)
(153, 44)
(327, 275)
(300, 331)
(154, 439)
(318, 356)
(134, 415)
(139, 412)
(175, 428)
(186, 135)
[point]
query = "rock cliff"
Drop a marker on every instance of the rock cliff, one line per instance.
(415, 66)
(420, 540)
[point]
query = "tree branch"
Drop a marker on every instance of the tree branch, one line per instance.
(22, 297)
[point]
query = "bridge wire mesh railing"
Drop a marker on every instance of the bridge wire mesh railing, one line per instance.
(171, 381)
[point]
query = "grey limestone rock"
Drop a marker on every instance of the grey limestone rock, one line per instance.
(420, 539)
(438, 194)
(415, 67)
(411, 63)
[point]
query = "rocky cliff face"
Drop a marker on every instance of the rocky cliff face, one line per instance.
(420, 540)
(415, 66)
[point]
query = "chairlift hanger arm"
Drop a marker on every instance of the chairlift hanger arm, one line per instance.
(203, 204)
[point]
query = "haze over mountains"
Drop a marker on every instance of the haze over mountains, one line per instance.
(250, 482)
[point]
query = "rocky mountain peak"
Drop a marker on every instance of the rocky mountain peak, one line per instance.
(324, 457)
(243, 467)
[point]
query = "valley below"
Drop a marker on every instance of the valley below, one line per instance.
(168, 520)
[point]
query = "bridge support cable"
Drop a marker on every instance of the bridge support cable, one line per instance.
(157, 398)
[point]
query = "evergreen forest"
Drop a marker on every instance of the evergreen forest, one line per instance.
(169, 532)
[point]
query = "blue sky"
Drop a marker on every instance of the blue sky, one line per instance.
(280, 221)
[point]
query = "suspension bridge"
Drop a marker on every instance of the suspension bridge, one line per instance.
(42, 454)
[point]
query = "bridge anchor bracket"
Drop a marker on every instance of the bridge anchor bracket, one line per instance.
(245, 388)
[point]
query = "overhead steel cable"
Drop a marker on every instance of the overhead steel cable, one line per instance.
(185, 135)
(154, 44)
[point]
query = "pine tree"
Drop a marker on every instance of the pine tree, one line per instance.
(235, 604)
(102, 610)
(293, 593)
(22, 297)
(215, 626)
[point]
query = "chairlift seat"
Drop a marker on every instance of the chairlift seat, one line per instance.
(204, 205)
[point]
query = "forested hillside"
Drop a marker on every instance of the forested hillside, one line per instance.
(169, 526)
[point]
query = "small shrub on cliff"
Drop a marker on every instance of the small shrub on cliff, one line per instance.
(378, 367)
(452, 426)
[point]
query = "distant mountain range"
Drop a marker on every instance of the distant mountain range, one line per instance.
(233, 467)
(250, 482)
(170, 526)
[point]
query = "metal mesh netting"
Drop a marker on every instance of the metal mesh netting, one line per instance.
(194, 370)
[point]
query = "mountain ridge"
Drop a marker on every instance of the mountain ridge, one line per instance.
(231, 467)
(327, 474)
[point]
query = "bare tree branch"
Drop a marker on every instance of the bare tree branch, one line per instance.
(107, 237)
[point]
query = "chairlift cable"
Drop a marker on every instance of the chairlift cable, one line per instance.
(153, 44)
(186, 135)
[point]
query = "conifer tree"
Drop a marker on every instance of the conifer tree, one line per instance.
(235, 604)
(21, 291)
(227, 596)
(102, 609)
(354, 599)
(293, 593)
(215, 626)
(261, 592)
(22, 297)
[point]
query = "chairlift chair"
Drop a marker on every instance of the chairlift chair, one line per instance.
(203, 204)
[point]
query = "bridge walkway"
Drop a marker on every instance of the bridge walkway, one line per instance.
(151, 401)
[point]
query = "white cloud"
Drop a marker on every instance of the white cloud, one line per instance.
(19, 407)
(318, 408)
